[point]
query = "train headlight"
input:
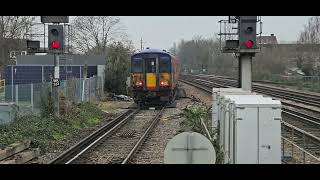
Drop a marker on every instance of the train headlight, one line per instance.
(139, 84)
(164, 83)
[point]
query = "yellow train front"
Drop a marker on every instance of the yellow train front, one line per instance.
(154, 77)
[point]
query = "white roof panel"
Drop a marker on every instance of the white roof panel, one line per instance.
(253, 100)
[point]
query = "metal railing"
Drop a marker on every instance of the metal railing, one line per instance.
(28, 96)
(302, 150)
(302, 147)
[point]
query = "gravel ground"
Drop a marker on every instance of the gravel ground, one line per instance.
(193, 91)
(117, 109)
(114, 149)
(152, 151)
(168, 126)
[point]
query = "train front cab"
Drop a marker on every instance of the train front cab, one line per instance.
(151, 79)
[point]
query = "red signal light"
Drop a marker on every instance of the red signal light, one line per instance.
(249, 44)
(55, 44)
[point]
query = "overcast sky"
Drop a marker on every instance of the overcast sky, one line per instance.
(162, 31)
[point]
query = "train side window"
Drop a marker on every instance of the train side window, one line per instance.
(165, 64)
(137, 65)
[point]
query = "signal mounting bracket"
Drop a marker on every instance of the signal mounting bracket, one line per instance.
(230, 35)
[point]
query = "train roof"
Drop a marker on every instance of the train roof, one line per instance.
(150, 51)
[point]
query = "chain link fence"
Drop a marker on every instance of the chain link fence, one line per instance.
(28, 96)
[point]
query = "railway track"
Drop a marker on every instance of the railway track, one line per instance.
(312, 99)
(114, 143)
(302, 103)
(300, 128)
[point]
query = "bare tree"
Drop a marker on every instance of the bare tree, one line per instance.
(12, 32)
(200, 53)
(92, 34)
(15, 27)
(307, 56)
(311, 32)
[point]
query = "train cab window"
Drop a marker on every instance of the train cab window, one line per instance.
(137, 65)
(150, 65)
(165, 64)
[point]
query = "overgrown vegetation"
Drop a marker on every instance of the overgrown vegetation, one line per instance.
(193, 115)
(46, 131)
(46, 103)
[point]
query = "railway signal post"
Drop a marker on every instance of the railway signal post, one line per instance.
(242, 41)
(240, 38)
(55, 47)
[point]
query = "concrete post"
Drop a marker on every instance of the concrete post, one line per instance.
(17, 93)
(245, 70)
(31, 95)
(55, 89)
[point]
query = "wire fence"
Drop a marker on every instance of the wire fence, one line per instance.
(2, 85)
(28, 96)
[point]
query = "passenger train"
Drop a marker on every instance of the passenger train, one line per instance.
(154, 77)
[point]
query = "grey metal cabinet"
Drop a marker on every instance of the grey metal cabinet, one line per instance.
(250, 131)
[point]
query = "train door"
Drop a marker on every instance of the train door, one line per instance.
(151, 73)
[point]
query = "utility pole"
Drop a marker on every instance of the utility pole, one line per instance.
(141, 44)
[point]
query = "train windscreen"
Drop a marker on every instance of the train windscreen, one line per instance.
(150, 63)
(137, 65)
(165, 64)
